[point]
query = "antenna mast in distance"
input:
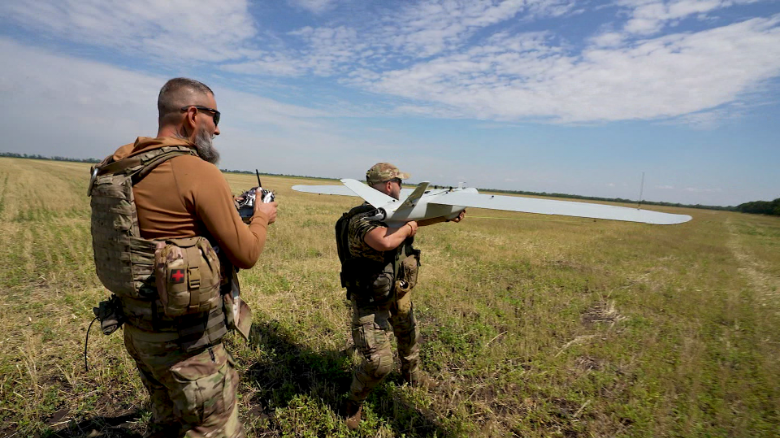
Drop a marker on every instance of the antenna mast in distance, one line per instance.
(641, 189)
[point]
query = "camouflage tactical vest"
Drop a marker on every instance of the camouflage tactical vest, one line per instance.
(358, 274)
(125, 261)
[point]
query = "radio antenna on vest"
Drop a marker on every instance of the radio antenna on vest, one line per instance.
(641, 189)
(259, 184)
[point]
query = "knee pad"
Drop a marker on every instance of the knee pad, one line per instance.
(380, 367)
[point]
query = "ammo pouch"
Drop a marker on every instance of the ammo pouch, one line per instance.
(407, 273)
(187, 273)
(380, 286)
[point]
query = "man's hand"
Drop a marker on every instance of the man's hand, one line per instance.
(460, 217)
(269, 209)
(440, 219)
(412, 225)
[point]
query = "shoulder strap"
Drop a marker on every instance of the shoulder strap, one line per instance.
(138, 166)
(120, 166)
(166, 155)
(342, 228)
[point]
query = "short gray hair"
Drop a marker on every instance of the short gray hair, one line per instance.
(179, 92)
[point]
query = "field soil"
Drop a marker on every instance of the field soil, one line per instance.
(533, 326)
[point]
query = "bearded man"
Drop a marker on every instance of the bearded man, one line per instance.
(182, 361)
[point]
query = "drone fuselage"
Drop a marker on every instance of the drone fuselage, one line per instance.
(397, 213)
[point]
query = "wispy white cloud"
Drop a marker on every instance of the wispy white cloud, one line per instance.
(525, 76)
(456, 58)
(327, 51)
(608, 39)
(315, 6)
(331, 50)
(200, 30)
(114, 105)
(430, 27)
(509, 77)
(651, 16)
(702, 190)
(416, 30)
(270, 64)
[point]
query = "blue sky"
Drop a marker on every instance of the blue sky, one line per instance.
(564, 96)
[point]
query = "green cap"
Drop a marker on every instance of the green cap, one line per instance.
(381, 172)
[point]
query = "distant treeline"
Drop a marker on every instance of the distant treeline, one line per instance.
(251, 172)
(41, 157)
(761, 207)
(755, 207)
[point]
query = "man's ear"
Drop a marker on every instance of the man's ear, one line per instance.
(189, 123)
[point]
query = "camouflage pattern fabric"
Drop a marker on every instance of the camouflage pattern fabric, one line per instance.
(381, 172)
(370, 332)
(124, 261)
(187, 272)
(358, 228)
(192, 394)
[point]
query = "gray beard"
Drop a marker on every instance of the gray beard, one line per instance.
(205, 147)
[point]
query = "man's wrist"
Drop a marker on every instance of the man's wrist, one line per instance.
(260, 214)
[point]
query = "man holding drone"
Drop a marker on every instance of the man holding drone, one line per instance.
(379, 269)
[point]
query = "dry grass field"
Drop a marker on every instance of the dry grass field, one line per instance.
(534, 325)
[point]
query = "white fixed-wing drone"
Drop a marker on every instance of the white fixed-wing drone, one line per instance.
(421, 204)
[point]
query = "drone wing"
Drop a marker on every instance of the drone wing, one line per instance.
(564, 208)
(325, 190)
(369, 194)
(338, 190)
(411, 200)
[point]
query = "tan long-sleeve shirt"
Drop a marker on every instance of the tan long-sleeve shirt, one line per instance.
(186, 197)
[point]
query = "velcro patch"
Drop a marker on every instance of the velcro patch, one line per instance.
(177, 276)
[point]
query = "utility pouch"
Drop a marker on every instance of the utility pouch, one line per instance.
(381, 285)
(109, 312)
(187, 273)
(238, 315)
(407, 273)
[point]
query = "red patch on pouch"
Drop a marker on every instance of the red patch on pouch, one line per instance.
(177, 276)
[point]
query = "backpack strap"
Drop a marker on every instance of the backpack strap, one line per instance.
(153, 162)
(140, 165)
(355, 271)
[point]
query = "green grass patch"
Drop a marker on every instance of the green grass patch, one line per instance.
(532, 326)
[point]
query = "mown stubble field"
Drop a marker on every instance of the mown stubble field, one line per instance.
(534, 326)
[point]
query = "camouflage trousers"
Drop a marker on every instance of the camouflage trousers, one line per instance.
(192, 394)
(371, 333)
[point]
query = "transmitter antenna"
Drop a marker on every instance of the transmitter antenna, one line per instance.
(641, 189)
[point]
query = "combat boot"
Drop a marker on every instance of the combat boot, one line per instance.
(419, 379)
(163, 431)
(353, 412)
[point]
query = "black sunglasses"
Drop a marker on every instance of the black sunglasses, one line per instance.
(214, 113)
